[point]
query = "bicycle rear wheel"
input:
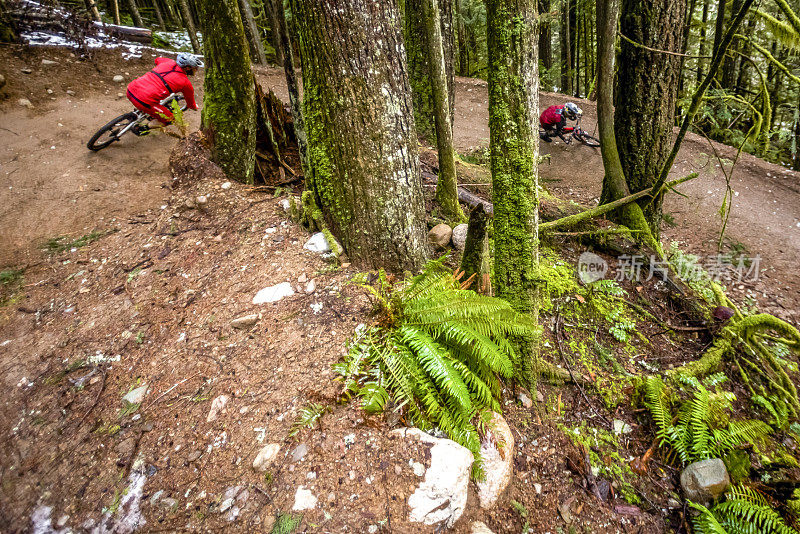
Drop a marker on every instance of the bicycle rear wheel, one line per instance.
(586, 139)
(110, 132)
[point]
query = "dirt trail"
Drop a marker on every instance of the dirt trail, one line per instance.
(52, 185)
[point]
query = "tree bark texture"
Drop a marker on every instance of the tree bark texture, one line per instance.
(514, 149)
(272, 8)
(475, 260)
(701, 49)
(229, 107)
(545, 37)
(137, 18)
(251, 31)
(419, 70)
(188, 21)
(648, 86)
(294, 92)
(8, 30)
(362, 145)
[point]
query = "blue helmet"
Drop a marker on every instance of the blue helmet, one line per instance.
(188, 60)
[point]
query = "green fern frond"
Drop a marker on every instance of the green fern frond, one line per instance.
(747, 510)
(307, 418)
(738, 433)
(460, 335)
(657, 402)
(706, 522)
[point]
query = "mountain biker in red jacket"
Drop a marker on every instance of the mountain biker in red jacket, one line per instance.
(554, 118)
(168, 76)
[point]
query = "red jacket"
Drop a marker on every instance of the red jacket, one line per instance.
(167, 77)
(551, 116)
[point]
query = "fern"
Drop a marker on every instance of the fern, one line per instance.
(307, 418)
(702, 428)
(436, 353)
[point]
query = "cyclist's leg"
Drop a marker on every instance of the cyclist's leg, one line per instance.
(161, 113)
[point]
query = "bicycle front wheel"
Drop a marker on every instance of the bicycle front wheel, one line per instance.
(111, 131)
(587, 139)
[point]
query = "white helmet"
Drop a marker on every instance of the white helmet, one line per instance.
(572, 111)
(188, 60)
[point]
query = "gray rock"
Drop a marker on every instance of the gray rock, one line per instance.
(168, 503)
(524, 399)
(539, 396)
(497, 452)
(24, 102)
(442, 496)
(244, 322)
(266, 457)
(317, 243)
(704, 481)
(459, 236)
(621, 427)
(119, 78)
(136, 396)
(226, 504)
(440, 235)
(299, 452)
(156, 496)
(49, 62)
(26, 70)
(479, 527)
(70, 92)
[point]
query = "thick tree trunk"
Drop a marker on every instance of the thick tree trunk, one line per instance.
(419, 69)
(188, 22)
(650, 81)
(447, 188)
(294, 92)
(545, 37)
(719, 27)
(514, 151)
(137, 18)
(229, 107)
(362, 147)
(251, 31)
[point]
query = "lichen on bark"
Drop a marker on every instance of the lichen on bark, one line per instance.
(362, 146)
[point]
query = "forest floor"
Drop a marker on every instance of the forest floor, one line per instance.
(149, 298)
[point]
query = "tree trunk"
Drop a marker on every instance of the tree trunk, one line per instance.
(137, 18)
(687, 28)
(796, 137)
(728, 74)
(545, 37)
(362, 147)
(115, 10)
(514, 151)
(475, 260)
(447, 188)
(272, 8)
(566, 52)
(8, 30)
(91, 7)
(159, 16)
(188, 22)
(419, 68)
(294, 92)
(702, 46)
(463, 51)
(251, 31)
(719, 28)
(650, 81)
(615, 186)
(229, 107)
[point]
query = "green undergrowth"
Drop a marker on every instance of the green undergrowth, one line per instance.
(603, 448)
(63, 243)
(11, 281)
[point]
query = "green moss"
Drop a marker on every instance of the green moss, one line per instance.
(738, 464)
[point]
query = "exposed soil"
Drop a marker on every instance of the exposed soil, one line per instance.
(151, 303)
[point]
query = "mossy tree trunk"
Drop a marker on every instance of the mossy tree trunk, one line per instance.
(188, 23)
(137, 18)
(614, 184)
(8, 31)
(274, 9)
(362, 145)
(514, 150)
(643, 125)
(294, 92)
(251, 30)
(417, 35)
(229, 106)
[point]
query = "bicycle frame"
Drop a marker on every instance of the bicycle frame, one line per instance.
(142, 116)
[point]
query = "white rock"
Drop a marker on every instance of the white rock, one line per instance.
(217, 405)
(266, 457)
(119, 78)
(273, 293)
(537, 488)
(226, 185)
(479, 527)
(418, 468)
(302, 278)
(317, 243)
(244, 322)
(286, 205)
(497, 451)
(136, 396)
(201, 200)
(24, 102)
(459, 236)
(311, 286)
(49, 62)
(621, 427)
(304, 500)
(442, 496)
(226, 504)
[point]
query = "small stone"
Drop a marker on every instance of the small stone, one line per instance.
(24, 102)
(2, 81)
(244, 322)
(479, 527)
(62, 521)
(704, 481)
(302, 278)
(156, 496)
(194, 456)
(539, 396)
(621, 427)
(266, 457)
(118, 78)
(418, 468)
(120, 95)
(524, 399)
(311, 286)
(49, 62)
(331, 497)
(372, 529)
(168, 503)
(49, 91)
(70, 92)
(201, 200)
(537, 488)
(286, 205)
(226, 185)
(26, 70)
(226, 504)
(440, 235)
(459, 237)
(304, 500)
(299, 452)
(273, 293)
(189, 204)
(497, 452)
(136, 396)
(398, 470)
(317, 243)
(217, 405)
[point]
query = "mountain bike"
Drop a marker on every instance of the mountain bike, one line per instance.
(575, 132)
(135, 121)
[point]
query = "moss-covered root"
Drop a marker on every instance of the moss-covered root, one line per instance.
(475, 260)
(310, 217)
